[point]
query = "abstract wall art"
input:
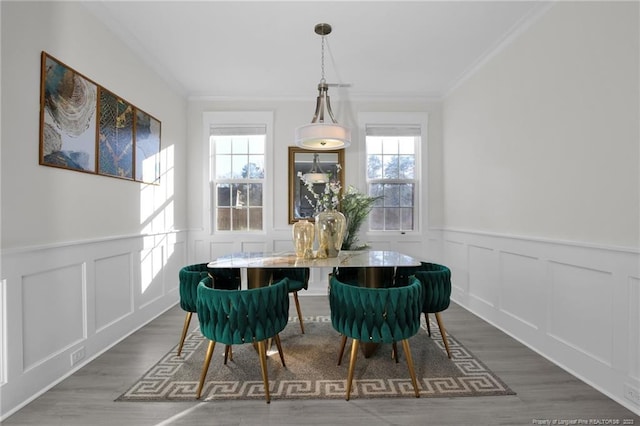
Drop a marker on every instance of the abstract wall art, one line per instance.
(87, 128)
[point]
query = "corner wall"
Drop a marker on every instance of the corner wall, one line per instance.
(542, 187)
(86, 259)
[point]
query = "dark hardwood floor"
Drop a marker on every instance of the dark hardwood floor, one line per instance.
(544, 391)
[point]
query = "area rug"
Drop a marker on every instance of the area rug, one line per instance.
(312, 372)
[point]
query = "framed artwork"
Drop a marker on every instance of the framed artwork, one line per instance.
(87, 128)
(115, 136)
(67, 117)
(147, 152)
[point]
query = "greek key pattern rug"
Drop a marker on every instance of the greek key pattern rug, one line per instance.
(312, 372)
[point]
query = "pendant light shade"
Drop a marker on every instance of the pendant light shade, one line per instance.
(316, 174)
(320, 135)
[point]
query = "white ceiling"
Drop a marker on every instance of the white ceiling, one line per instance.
(264, 49)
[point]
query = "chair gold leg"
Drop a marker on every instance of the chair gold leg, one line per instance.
(443, 333)
(344, 343)
(205, 367)
(228, 354)
(295, 299)
(263, 365)
(394, 352)
(352, 365)
(280, 352)
(185, 328)
(412, 371)
(426, 318)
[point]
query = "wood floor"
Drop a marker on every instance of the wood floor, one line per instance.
(544, 391)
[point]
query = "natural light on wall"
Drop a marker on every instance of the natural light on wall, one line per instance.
(157, 217)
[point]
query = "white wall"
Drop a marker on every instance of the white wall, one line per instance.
(86, 259)
(541, 191)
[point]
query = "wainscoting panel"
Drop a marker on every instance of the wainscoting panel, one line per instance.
(253, 246)
(48, 329)
(576, 304)
(63, 305)
(455, 257)
(523, 289)
(3, 337)
(484, 279)
(634, 329)
(581, 307)
(151, 261)
(113, 291)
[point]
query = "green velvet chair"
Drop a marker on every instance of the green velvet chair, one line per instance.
(298, 280)
(376, 315)
(235, 317)
(436, 283)
(189, 277)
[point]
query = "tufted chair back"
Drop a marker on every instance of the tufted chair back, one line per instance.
(376, 315)
(298, 280)
(242, 316)
(382, 315)
(191, 275)
(436, 283)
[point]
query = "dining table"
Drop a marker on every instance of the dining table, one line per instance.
(375, 267)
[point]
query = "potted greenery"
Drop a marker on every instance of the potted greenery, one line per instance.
(355, 206)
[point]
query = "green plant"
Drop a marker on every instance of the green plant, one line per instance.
(355, 206)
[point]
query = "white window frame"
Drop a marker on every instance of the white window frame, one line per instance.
(399, 119)
(238, 119)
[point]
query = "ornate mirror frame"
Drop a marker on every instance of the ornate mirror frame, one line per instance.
(301, 160)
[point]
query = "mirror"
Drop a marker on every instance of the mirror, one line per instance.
(322, 164)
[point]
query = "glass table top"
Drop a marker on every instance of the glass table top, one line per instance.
(346, 259)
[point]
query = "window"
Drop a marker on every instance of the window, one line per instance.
(238, 164)
(391, 159)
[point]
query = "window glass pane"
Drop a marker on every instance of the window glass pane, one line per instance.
(376, 190)
(238, 163)
(406, 219)
(223, 216)
(239, 219)
(223, 145)
(376, 219)
(256, 144)
(391, 167)
(255, 219)
(240, 145)
(406, 166)
(391, 195)
(239, 195)
(392, 219)
(406, 145)
(255, 195)
(256, 167)
(406, 195)
(374, 166)
(223, 167)
(223, 196)
(374, 145)
(390, 146)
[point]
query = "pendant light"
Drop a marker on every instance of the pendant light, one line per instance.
(316, 174)
(321, 135)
